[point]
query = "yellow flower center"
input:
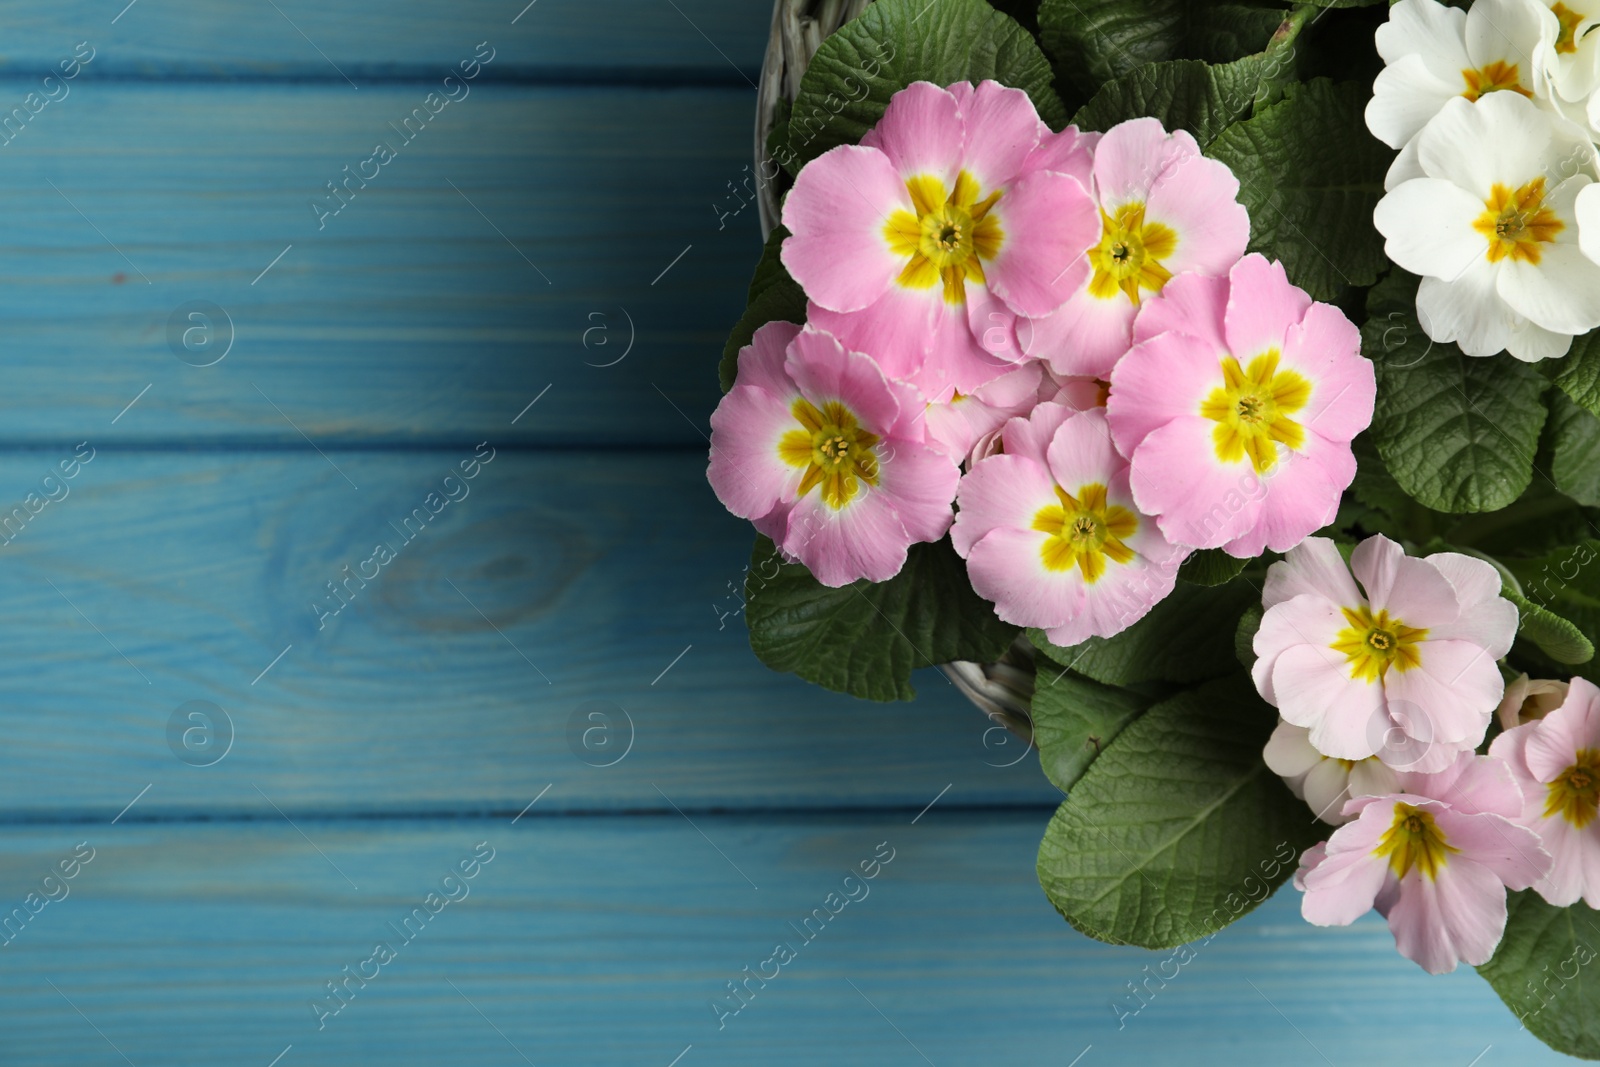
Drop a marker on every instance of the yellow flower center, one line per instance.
(1516, 223)
(1252, 407)
(947, 238)
(1575, 794)
(1494, 77)
(1374, 643)
(1414, 842)
(1566, 40)
(1084, 531)
(1128, 257)
(834, 450)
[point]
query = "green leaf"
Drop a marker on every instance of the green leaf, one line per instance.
(782, 299)
(1574, 435)
(1458, 433)
(1310, 174)
(866, 638)
(1178, 828)
(1184, 94)
(1093, 41)
(1185, 638)
(769, 268)
(896, 42)
(1074, 719)
(1578, 372)
(1540, 971)
(1210, 566)
(1566, 583)
(1557, 638)
(1244, 635)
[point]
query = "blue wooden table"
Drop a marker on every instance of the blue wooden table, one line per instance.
(512, 788)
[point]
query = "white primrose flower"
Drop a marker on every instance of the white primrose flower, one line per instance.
(1435, 53)
(1566, 62)
(1503, 224)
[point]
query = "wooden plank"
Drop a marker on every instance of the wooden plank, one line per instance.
(301, 39)
(605, 941)
(522, 240)
(451, 681)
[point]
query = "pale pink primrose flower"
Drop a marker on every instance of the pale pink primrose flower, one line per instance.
(1323, 782)
(1528, 699)
(1163, 209)
(1402, 667)
(1556, 761)
(958, 212)
(1434, 858)
(826, 456)
(1051, 534)
(1237, 406)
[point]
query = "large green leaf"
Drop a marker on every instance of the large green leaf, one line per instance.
(1187, 637)
(1458, 432)
(1541, 970)
(1074, 719)
(1093, 41)
(1310, 174)
(1574, 435)
(1185, 94)
(896, 42)
(866, 638)
(1179, 827)
(1578, 372)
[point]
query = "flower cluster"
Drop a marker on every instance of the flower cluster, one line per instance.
(1050, 345)
(1495, 111)
(1383, 671)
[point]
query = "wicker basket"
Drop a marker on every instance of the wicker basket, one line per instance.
(1003, 689)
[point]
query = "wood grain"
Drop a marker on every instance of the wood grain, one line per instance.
(519, 242)
(605, 940)
(448, 682)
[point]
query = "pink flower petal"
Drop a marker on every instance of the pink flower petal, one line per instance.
(1049, 221)
(1306, 620)
(1195, 196)
(1512, 852)
(1007, 568)
(1455, 688)
(1002, 131)
(1315, 690)
(1165, 378)
(1262, 305)
(824, 370)
(1408, 588)
(1081, 452)
(761, 362)
(917, 338)
(921, 132)
(1199, 500)
(1001, 491)
(746, 471)
(1326, 348)
(1457, 917)
(1299, 494)
(1343, 886)
(1085, 337)
(836, 215)
(863, 539)
(1192, 304)
(1031, 436)
(1316, 567)
(1069, 152)
(921, 484)
(1575, 725)
(1131, 156)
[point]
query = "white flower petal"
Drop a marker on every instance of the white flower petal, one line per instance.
(1467, 310)
(1427, 224)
